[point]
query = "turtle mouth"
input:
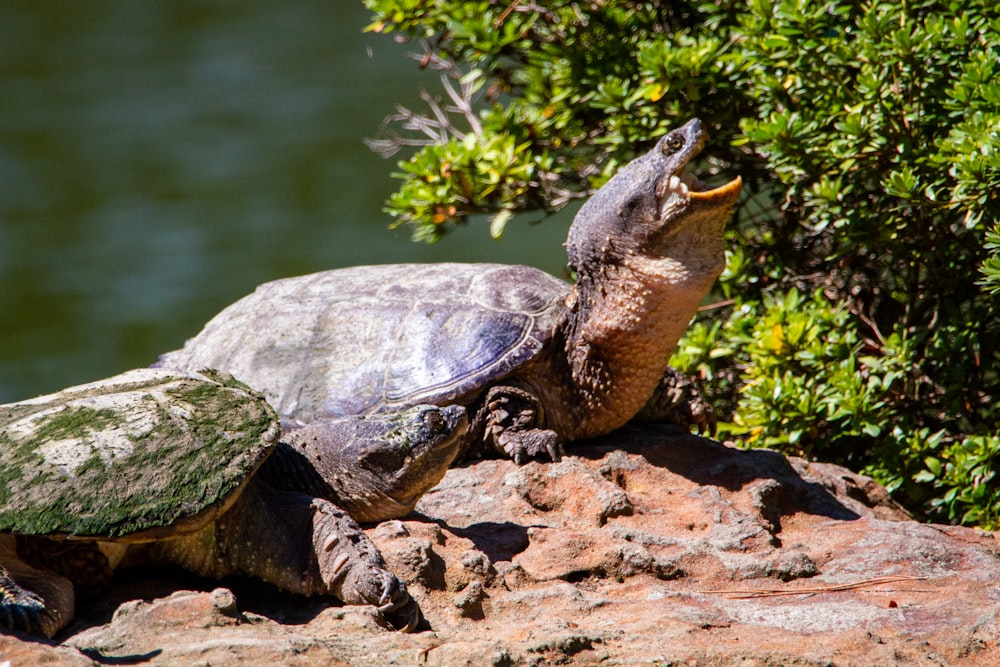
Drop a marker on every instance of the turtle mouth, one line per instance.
(723, 195)
(685, 186)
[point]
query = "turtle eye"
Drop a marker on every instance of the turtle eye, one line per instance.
(434, 421)
(674, 143)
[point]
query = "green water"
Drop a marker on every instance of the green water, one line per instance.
(159, 160)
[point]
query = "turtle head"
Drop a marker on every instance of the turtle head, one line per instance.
(418, 443)
(411, 457)
(379, 465)
(654, 208)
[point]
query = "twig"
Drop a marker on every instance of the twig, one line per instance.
(463, 104)
(717, 304)
(739, 593)
(505, 13)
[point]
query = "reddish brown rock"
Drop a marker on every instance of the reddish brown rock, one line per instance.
(648, 547)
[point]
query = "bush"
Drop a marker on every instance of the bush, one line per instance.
(862, 329)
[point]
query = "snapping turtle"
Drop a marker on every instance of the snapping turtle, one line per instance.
(156, 466)
(536, 361)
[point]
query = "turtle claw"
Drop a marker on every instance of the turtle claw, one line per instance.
(386, 603)
(22, 610)
(22, 615)
(555, 450)
(531, 445)
(678, 400)
(512, 417)
(352, 569)
(397, 607)
(394, 594)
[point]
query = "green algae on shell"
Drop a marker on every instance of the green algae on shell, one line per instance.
(136, 456)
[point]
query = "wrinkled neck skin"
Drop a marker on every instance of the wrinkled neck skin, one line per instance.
(622, 323)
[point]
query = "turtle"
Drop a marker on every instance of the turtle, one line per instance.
(157, 466)
(537, 362)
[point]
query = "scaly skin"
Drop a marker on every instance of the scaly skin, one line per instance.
(646, 249)
(307, 545)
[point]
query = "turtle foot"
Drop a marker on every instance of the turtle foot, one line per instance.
(352, 569)
(22, 610)
(531, 445)
(678, 400)
(512, 417)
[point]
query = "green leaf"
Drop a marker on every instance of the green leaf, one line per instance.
(934, 465)
(499, 222)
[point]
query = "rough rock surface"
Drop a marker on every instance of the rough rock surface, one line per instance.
(647, 547)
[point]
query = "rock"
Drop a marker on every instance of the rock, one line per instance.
(645, 547)
(14, 651)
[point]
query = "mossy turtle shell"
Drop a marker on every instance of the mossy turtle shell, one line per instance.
(140, 455)
(376, 338)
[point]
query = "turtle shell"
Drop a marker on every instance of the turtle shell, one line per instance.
(140, 455)
(376, 338)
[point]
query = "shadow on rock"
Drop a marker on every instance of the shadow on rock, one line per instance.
(498, 540)
(102, 659)
(779, 480)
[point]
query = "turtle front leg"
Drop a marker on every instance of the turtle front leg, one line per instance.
(351, 567)
(300, 543)
(677, 399)
(31, 600)
(509, 421)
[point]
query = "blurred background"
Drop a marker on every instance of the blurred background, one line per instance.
(160, 160)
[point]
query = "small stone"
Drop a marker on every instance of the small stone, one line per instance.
(390, 529)
(513, 575)
(469, 600)
(127, 608)
(224, 602)
(478, 564)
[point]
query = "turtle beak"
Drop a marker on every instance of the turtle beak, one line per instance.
(724, 195)
(683, 188)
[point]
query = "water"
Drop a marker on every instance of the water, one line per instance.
(159, 160)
